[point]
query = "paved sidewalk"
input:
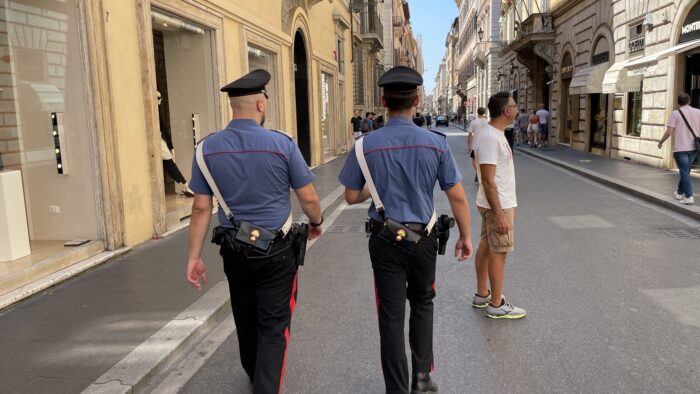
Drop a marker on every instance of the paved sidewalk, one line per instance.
(137, 305)
(649, 183)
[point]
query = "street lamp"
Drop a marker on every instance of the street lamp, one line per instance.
(480, 33)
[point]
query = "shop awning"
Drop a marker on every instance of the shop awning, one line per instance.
(638, 66)
(618, 80)
(588, 80)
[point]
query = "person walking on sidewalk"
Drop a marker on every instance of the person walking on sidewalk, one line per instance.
(496, 201)
(684, 125)
(262, 276)
(356, 122)
(543, 116)
(399, 161)
(475, 126)
(533, 130)
(523, 121)
(366, 125)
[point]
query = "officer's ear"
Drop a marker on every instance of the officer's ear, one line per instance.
(260, 104)
(416, 101)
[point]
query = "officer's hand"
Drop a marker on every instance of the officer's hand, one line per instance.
(464, 248)
(315, 232)
(502, 226)
(196, 270)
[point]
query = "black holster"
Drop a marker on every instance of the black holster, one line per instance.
(443, 226)
(298, 236)
(226, 238)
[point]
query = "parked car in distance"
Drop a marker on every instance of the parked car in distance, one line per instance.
(441, 120)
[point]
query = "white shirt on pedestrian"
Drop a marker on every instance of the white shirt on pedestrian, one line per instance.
(475, 127)
(543, 114)
(682, 138)
(492, 148)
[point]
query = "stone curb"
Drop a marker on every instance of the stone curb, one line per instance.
(134, 372)
(690, 211)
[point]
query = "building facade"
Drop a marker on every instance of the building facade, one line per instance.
(608, 71)
(368, 54)
(82, 123)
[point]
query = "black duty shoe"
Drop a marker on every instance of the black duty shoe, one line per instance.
(423, 385)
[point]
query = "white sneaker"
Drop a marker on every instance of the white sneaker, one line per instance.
(505, 311)
(687, 201)
(678, 196)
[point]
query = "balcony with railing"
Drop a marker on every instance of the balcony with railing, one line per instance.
(371, 27)
(537, 28)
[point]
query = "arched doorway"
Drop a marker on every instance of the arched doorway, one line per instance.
(566, 105)
(301, 87)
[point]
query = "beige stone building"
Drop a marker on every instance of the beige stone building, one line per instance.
(609, 71)
(82, 124)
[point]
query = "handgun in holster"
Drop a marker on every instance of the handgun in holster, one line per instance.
(443, 225)
(299, 235)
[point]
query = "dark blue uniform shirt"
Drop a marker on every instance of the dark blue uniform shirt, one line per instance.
(254, 169)
(405, 162)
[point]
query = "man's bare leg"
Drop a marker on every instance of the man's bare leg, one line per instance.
(496, 268)
(482, 269)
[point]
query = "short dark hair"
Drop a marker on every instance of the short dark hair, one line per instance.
(522, 110)
(367, 114)
(399, 101)
(481, 111)
(683, 99)
(498, 102)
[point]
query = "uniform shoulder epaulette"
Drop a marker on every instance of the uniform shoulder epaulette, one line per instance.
(283, 133)
(438, 133)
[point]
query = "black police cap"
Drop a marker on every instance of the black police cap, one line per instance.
(252, 83)
(400, 79)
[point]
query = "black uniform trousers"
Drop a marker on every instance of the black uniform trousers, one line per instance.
(399, 276)
(263, 297)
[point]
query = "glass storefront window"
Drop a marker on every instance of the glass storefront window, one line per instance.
(599, 123)
(634, 114)
(266, 60)
(327, 115)
(42, 92)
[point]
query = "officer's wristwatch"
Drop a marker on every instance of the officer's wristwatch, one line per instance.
(316, 224)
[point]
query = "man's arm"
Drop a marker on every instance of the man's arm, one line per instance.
(667, 134)
(353, 196)
(460, 208)
(488, 180)
(199, 226)
(310, 204)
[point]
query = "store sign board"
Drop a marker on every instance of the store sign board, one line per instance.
(690, 30)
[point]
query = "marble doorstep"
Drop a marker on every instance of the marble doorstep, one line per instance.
(47, 258)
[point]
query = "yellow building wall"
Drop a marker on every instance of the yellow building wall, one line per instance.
(129, 117)
(240, 21)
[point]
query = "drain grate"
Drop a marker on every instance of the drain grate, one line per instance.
(347, 228)
(682, 233)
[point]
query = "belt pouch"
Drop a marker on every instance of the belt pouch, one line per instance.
(254, 237)
(395, 233)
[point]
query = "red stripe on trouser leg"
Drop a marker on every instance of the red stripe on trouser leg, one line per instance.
(292, 306)
(376, 300)
(432, 364)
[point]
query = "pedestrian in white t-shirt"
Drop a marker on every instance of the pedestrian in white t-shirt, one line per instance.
(475, 126)
(543, 114)
(684, 144)
(496, 201)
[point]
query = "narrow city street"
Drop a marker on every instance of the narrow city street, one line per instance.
(611, 296)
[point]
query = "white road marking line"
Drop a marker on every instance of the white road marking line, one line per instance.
(193, 361)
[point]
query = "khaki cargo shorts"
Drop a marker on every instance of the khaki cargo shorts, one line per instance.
(500, 243)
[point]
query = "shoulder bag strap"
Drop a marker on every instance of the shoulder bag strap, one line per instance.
(360, 154)
(362, 161)
(199, 155)
(687, 124)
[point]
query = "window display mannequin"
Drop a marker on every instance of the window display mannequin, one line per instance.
(169, 166)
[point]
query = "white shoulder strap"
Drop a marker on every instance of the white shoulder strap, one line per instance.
(360, 154)
(199, 155)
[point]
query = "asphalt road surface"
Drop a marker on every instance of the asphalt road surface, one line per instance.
(611, 293)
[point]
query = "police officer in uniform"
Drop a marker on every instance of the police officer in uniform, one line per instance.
(254, 169)
(404, 162)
